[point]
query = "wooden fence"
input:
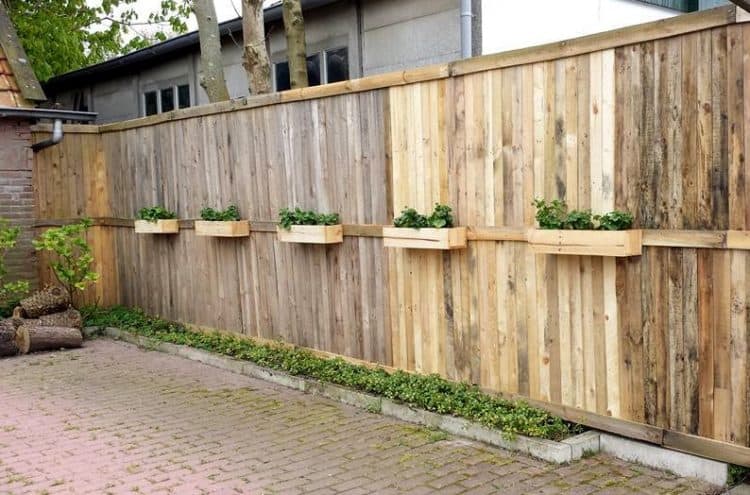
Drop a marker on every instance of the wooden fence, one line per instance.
(650, 119)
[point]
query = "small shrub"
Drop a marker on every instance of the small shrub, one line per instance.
(231, 214)
(288, 217)
(155, 213)
(441, 217)
(554, 215)
(10, 292)
(72, 258)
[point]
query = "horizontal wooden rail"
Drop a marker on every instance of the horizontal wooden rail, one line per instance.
(702, 239)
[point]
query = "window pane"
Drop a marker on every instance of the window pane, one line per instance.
(337, 64)
(150, 99)
(313, 70)
(282, 76)
(167, 99)
(183, 96)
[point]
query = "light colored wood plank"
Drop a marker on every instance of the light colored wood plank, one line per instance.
(312, 234)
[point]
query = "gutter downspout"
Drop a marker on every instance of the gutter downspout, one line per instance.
(57, 136)
(466, 21)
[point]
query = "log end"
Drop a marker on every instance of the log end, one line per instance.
(23, 341)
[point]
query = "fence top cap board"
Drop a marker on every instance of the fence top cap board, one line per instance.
(665, 28)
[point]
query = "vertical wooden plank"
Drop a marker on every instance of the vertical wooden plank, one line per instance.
(689, 127)
(721, 322)
(720, 134)
(738, 346)
(738, 172)
(706, 338)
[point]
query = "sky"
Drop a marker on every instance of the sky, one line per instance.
(225, 10)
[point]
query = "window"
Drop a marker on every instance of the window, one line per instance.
(313, 70)
(681, 5)
(183, 96)
(337, 65)
(167, 99)
(322, 68)
(150, 103)
(281, 74)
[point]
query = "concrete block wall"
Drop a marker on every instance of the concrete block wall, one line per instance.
(17, 196)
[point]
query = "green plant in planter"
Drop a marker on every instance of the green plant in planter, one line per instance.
(231, 214)
(554, 215)
(614, 220)
(155, 213)
(551, 215)
(72, 258)
(288, 217)
(579, 220)
(441, 217)
(10, 292)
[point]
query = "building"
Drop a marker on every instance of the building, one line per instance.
(20, 92)
(346, 39)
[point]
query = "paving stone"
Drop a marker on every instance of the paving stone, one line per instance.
(110, 419)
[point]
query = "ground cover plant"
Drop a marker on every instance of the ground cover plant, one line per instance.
(432, 392)
(154, 213)
(298, 216)
(72, 259)
(10, 292)
(231, 214)
(441, 217)
(555, 215)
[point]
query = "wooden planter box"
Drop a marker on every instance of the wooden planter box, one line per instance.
(398, 237)
(239, 228)
(587, 242)
(158, 227)
(312, 234)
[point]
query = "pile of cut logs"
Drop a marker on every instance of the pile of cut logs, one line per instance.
(44, 321)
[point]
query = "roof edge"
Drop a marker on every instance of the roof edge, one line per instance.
(18, 61)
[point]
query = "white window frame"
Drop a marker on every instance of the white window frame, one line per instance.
(323, 63)
(157, 88)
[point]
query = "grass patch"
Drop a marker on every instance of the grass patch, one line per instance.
(431, 393)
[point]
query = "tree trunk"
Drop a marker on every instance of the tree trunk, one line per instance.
(8, 345)
(256, 62)
(49, 300)
(212, 80)
(69, 318)
(32, 338)
(294, 25)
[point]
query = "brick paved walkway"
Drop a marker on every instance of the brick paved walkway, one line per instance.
(111, 418)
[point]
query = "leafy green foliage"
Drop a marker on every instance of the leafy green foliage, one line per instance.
(441, 217)
(288, 217)
(550, 215)
(432, 392)
(63, 35)
(555, 215)
(615, 220)
(155, 213)
(72, 258)
(579, 220)
(10, 292)
(737, 474)
(231, 214)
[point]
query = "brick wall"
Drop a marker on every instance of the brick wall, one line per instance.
(17, 196)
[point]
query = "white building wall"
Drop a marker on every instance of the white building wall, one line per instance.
(512, 24)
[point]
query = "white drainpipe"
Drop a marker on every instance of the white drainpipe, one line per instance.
(466, 18)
